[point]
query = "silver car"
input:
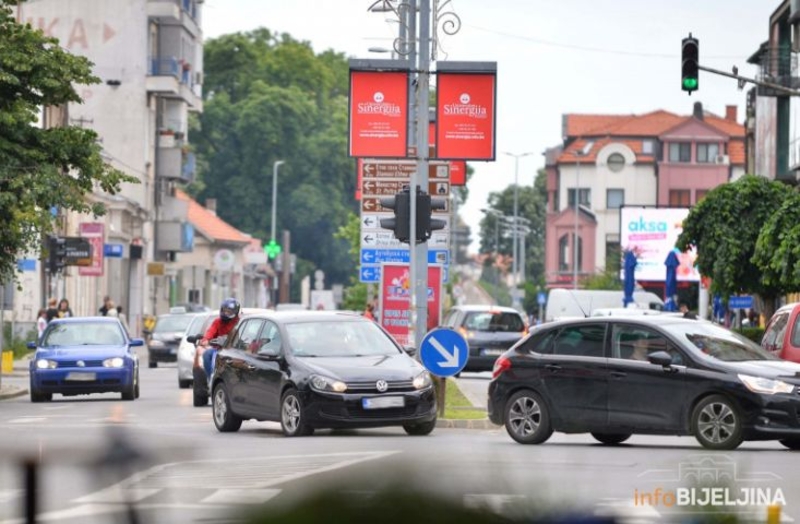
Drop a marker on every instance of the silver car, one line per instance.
(186, 350)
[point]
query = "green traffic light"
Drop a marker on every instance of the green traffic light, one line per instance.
(690, 83)
(273, 249)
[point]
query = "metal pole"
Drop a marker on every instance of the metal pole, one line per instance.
(515, 230)
(419, 258)
(275, 166)
(575, 236)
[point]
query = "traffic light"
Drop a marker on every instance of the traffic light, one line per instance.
(57, 251)
(425, 222)
(400, 203)
(690, 67)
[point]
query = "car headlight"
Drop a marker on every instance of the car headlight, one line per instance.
(422, 381)
(321, 383)
(156, 344)
(765, 385)
(116, 362)
(43, 363)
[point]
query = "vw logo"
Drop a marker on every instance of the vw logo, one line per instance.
(81, 364)
(381, 385)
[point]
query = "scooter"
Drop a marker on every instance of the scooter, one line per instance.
(201, 381)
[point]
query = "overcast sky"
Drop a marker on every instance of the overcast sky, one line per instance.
(553, 57)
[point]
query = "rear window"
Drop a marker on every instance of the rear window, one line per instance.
(497, 321)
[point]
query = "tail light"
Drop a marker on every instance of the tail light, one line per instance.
(501, 365)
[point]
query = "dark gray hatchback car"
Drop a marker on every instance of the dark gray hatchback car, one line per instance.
(488, 330)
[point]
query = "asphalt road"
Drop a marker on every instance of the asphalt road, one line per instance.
(188, 472)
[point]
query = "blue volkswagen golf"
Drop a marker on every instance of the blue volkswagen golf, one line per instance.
(83, 355)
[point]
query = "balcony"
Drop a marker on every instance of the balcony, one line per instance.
(184, 12)
(175, 162)
(777, 65)
(174, 78)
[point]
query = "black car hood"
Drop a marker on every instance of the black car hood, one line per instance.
(366, 368)
(767, 368)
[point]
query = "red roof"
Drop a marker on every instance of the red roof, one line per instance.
(209, 224)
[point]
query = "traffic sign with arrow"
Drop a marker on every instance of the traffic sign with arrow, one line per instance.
(444, 352)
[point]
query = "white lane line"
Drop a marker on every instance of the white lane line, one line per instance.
(27, 420)
(114, 495)
(240, 496)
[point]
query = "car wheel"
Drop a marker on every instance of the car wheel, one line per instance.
(184, 384)
(199, 388)
(527, 418)
(791, 443)
(224, 417)
(129, 392)
(37, 396)
(293, 421)
(136, 387)
(716, 423)
(420, 430)
(611, 438)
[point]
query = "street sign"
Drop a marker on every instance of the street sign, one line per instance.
(113, 250)
(444, 352)
(77, 251)
(370, 274)
(541, 298)
(377, 256)
(744, 302)
(390, 169)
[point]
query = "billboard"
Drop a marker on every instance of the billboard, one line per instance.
(651, 234)
(94, 233)
(378, 114)
(395, 296)
(465, 115)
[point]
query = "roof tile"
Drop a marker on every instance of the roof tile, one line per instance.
(210, 224)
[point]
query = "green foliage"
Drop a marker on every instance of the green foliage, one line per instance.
(753, 333)
(608, 279)
(777, 251)
(16, 345)
(725, 226)
(42, 168)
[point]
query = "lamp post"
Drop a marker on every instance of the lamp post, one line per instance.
(514, 262)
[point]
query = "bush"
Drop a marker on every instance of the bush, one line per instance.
(17, 345)
(753, 333)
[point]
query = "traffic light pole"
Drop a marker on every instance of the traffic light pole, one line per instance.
(418, 309)
(742, 80)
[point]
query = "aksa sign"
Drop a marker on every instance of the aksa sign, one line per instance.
(465, 111)
(378, 114)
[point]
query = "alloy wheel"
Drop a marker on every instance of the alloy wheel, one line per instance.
(525, 416)
(717, 422)
(220, 407)
(290, 413)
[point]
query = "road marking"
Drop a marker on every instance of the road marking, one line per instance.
(241, 496)
(115, 495)
(7, 495)
(499, 503)
(27, 420)
(626, 511)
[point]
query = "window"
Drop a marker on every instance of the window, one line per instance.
(773, 338)
(269, 341)
(247, 334)
(587, 340)
(636, 343)
(615, 162)
(680, 152)
(679, 197)
(584, 195)
(647, 147)
(615, 198)
(707, 153)
(563, 253)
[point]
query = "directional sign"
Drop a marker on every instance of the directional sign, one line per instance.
(743, 302)
(382, 239)
(370, 274)
(377, 256)
(444, 352)
(385, 187)
(403, 170)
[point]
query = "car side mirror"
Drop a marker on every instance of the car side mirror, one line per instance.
(269, 352)
(192, 339)
(31, 345)
(660, 358)
(137, 342)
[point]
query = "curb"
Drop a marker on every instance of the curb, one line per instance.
(484, 424)
(12, 392)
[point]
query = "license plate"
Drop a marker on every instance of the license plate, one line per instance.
(493, 352)
(81, 376)
(382, 402)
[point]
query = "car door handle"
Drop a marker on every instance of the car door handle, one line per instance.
(618, 374)
(555, 368)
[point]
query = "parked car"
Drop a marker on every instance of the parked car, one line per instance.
(782, 334)
(83, 355)
(166, 336)
(488, 330)
(699, 378)
(319, 369)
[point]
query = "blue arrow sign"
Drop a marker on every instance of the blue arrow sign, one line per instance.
(112, 250)
(541, 298)
(444, 352)
(370, 274)
(401, 256)
(743, 302)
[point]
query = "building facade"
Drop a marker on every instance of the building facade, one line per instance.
(610, 161)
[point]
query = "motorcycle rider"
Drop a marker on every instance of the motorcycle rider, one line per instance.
(228, 317)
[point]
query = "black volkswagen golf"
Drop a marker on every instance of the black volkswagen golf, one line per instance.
(310, 370)
(661, 375)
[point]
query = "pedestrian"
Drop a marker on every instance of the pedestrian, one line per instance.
(686, 313)
(63, 309)
(111, 309)
(368, 312)
(105, 307)
(122, 317)
(41, 322)
(52, 309)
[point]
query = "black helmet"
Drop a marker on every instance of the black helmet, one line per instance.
(229, 309)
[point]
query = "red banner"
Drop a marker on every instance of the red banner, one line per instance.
(458, 173)
(395, 294)
(94, 232)
(378, 114)
(465, 116)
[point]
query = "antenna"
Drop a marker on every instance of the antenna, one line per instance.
(572, 294)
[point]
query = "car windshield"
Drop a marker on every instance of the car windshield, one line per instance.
(494, 321)
(83, 334)
(172, 323)
(339, 339)
(719, 343)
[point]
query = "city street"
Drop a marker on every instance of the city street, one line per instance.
(187, 471)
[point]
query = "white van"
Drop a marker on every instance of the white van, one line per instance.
(581, 303)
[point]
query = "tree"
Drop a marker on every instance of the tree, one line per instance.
(41, 169)
(724, 228)
(777, 252)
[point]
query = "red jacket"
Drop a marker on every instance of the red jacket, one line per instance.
(219, 328)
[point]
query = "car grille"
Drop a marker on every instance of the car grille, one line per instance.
(370, 387)
(356, 412)
(74, 364)
(103, 382)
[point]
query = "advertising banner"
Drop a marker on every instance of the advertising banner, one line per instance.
(395, 296)
(378, 114)
(465, 115)
(94, 232)
(651, 234)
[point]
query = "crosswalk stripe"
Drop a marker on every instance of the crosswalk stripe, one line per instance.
(241, 496)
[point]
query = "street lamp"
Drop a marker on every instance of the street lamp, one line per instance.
(515, 264)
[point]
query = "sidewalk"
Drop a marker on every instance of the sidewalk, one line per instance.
(11, 385)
